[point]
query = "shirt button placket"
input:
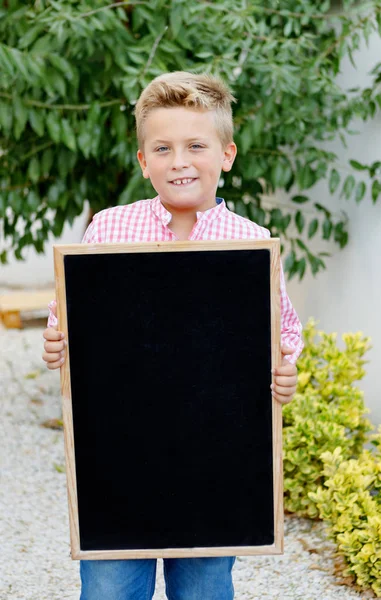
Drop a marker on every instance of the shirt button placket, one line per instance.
(197, 230)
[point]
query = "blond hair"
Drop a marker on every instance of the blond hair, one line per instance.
(180, 88)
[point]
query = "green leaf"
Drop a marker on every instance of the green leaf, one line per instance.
(322, 208)
(360, 191)
(301, 268)
(47, 161)
(358, 166)
(36, 121)
(313, 227)
(277, 174)
(306, 177)
(19, 60)
(84, 141)
(93, 115)
(348, 186)
(287, 28)
(340, 235)
(316, 264)
(334, 181)
(54, 126)
(56, 82)
(6, 117)
(62, 65)
(290, 262)
(301, 245)
(21, 116)
(6, 61)
(327, 229)
(299, 221)
(33, 201)
(53, 196)
(246, 139)
(376, 190)
(68, 136)
(175, 18)
(34, 169)
(204, 54)
(240, 208)
(15, 201)
(300, 199)
(374, 168)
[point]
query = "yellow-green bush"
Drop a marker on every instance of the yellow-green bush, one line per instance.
(327, 411)
(350, 503)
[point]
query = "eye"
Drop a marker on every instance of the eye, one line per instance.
(197, 146)
(161, 148)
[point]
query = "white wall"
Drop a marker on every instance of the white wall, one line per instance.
(346, 297)
(37, 271)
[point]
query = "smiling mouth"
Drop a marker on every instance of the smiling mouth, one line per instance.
(183, 182)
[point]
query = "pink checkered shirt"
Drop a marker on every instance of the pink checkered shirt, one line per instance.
(148, 220)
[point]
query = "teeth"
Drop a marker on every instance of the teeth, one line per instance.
(182, 181)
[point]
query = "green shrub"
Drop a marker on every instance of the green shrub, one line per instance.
(327, 411)
(350, 502)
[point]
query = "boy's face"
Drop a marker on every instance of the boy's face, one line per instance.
(183, 157)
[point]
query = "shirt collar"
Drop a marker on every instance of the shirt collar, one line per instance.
(206, 215)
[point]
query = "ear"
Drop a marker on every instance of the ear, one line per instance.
(142, 163)
(229, 155)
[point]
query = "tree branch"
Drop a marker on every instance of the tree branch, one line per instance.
(114, 5)
(153, 51)
(63, 106)
(342, 37)
(297, 15)
(36, 150)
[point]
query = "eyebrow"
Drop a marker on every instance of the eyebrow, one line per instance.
(198, 139)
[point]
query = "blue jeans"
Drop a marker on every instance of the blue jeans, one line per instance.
(185, 579)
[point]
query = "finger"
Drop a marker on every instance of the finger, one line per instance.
(55, 365)
(284, 391)
(286, 371)
(286, 381)
(51, 334)
(282, 399)
(53, 356)
(54, 346)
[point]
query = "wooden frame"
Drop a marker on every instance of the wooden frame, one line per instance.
(60, 251)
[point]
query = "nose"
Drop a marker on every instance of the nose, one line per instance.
(180, 161)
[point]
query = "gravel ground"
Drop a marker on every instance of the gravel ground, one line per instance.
(35, 559)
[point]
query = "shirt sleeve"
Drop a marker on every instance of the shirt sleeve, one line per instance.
(88, 238)
(291, 327)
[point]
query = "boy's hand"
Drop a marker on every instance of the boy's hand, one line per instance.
(54, 346)
(285, 379)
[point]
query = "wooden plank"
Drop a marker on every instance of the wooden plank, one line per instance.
(26, 301)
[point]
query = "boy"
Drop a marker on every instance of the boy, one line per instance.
(185, 136)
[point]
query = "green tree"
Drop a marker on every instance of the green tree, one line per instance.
(71, 71)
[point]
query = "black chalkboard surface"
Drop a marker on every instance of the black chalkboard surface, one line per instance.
(172, 415)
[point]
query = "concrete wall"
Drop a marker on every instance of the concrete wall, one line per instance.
(347, 296)
(37, 270)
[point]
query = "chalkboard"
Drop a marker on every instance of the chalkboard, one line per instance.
(172, 437)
